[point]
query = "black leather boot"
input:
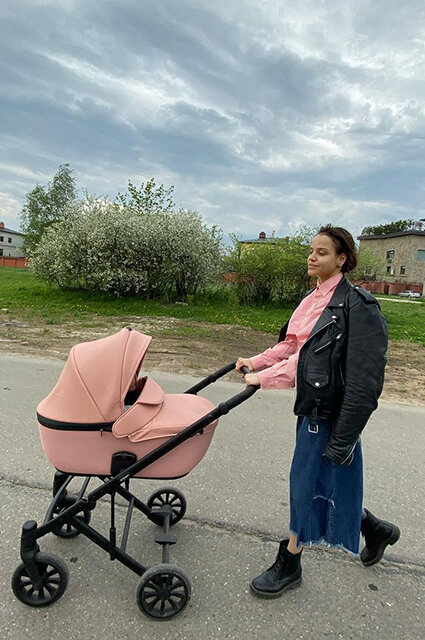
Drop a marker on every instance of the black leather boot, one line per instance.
(283, 575)
(377, 534)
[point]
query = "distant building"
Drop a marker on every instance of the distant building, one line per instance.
(262, 239)
(11, 247)
(404, 255)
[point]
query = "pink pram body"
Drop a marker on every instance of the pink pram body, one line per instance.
(85, 419)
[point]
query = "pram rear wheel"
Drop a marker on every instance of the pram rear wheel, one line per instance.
(163, 592)
(67, 530)
(51, 586)
(167, 496)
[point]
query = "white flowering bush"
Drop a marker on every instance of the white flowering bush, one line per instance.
(112, 248)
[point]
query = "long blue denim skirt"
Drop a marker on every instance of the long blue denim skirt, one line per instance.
(325, 498)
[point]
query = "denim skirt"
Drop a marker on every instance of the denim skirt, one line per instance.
(325, 498)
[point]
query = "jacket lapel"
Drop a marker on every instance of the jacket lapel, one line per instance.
(337, 301)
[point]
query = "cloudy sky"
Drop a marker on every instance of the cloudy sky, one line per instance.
(263, 115)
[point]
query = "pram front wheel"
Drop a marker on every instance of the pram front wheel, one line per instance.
(163, 592)
(167, 496)
(50, 587)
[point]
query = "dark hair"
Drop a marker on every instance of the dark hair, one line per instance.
(344, 243)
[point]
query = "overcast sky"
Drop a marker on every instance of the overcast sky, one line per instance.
(263, 115)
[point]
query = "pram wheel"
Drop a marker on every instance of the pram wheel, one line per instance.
(163, 592)
(167, 496)
(51, 586)
(67, 530)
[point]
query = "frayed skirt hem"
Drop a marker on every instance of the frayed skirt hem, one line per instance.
(322, 541)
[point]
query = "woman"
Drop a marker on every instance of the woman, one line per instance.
(334, 347)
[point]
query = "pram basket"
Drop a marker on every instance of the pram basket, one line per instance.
(164, 590)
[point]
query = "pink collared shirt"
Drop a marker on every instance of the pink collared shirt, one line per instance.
(277, 367)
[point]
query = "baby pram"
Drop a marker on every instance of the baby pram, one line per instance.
(103, 420)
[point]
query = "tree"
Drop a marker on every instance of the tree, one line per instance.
(389, 227)
(368, 266)
(148, 198)
(45, 205)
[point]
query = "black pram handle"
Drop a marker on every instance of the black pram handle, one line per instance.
(219, 374)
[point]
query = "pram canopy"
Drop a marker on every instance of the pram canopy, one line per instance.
(96, 378)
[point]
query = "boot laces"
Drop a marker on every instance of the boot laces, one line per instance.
(277, 565)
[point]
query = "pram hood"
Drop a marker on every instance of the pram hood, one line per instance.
(96, 378)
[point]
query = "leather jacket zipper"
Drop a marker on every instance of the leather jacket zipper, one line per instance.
(351, 453)
(322, 347)
(318, 331)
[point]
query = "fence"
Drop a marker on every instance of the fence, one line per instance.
(9, 261)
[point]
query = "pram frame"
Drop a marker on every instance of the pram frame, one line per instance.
(113, 485)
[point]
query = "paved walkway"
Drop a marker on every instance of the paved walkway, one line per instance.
(237, 511)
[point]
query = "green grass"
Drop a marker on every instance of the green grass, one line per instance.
(26, 297)
(406, 321)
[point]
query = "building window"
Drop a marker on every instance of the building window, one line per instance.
(402, 271)
(9, 240)
(390, 254)
(1, 238)
(390, 270)
(1, 252)
(421, 255)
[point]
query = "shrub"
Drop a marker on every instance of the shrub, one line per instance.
(101, 246)
(271, 272)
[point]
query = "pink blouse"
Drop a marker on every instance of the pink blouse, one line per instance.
(277, 367)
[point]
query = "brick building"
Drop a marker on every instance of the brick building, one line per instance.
(404, 255)
(11, 247)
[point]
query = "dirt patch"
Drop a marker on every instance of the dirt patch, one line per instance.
(193, 348)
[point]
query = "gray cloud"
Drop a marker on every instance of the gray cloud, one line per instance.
(259, 114)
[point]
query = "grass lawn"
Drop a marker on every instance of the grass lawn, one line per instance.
(26, 297)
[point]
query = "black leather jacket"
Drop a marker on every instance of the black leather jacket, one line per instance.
(341, 366)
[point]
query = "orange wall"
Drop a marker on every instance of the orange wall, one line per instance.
(8, 261)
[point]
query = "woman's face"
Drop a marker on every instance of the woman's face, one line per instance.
(323, 261)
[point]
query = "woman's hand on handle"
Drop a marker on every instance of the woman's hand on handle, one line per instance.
(252, 379)
(243, 362)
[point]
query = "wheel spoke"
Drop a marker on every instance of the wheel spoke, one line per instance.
(41, 592)
(152, 585)
(52, 572)
(30, 592)
(149, 596)
(50, 588)
(152, 605)
(173, 604)
(177, 584)
(182, 596)
(26, 583)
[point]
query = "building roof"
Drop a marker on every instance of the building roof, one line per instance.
(259, 241)
(391, 235)
(11, 231)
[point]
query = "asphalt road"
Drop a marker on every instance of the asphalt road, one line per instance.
(237, 511)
